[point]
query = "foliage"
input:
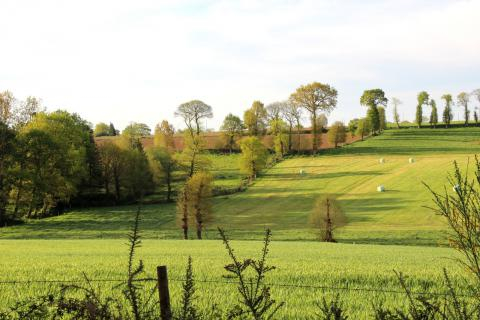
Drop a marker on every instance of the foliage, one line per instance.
(163, 165)
(396, 117)
(232, 128)
(192, 159)
(447, 112)
(292, 113)
(101, 129)
(373, 98)
(254, 156)
(327, 215)
(315, 97)
(353, 126)
(197, 196)
(188, 310)
(462, 213)
(337, 133)
(163, 136)
(255, 119)
(382, 118)
(7, 158)
(133, 133)
(112, 161)
(255, 299)
(433, 116)
(363, 127)
(463, 99)
(331, 310)
(422, 99)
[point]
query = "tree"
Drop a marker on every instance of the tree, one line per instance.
(232, 128)
(278, 128)
(433, 115)
(137, 179)
(274, 111)
(372, 99)
(162, 164)
(191, 159)
(462, 100)
(476, 94)
(337, 133)
(254, 156)
(7, 158)
(292, 113)
(396, 117)
(327, 216)
(164, 136)
(112, 161)
(315, 97)
(447, 112)
(26, 110)
(7, 101)
(112, 131)
(182, 211)
(382, 117)
(422, 98)
(198, 195)
(255, 119)
(363, 128)
(133, 133)
(352, 126)
(192, 113)
(322, 122)
(101, 129)
(475, 116)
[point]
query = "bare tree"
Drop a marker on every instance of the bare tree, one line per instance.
(192, 113)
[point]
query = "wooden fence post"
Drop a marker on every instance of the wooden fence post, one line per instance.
(163, 293)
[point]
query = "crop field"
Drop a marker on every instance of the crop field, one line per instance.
(303, 271)
(282, 198)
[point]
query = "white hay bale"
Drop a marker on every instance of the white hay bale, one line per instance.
(302, 172)
(381, 160)
(381, 188)
(411, 160)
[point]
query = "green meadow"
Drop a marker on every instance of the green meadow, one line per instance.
(386, 231)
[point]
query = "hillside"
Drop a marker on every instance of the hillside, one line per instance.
(282, 198)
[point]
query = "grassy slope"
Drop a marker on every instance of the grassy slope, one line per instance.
(282, 199)
(298, 263)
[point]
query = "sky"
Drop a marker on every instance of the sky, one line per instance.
(121, 61)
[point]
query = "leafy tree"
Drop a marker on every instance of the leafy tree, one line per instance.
(422, 98)
(396, 117)
(337, 133)
(315, 97)
(352, 126)
(101, 129)
(7, 158)
(382, 117)
(475, 116)
(278, 128)
(112, 131)
(199, 192)
(7, 101)
(447, 112)
(322, 122)
(463, 99)
(163, 136)
(26, 110)
(112, 161)
(162, 164)
(254, 156)
(363, 128)
(292, 113)
(327, 216)
(232, 128)
(192, 159)
(192, 113)
(372, 99)
(182, 211)
(274, 111)
(255, 119)
(133, 133)
(433, 115)
(137, 178)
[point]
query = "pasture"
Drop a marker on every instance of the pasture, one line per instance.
(282, 198)
(303, 270)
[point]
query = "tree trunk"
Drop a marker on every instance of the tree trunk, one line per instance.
(290, 130)
(314, 132)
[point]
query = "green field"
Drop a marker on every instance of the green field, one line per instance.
(90, 239)
(298, 264)
(282, 198)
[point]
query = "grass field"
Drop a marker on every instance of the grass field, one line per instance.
(282, 198)
(298, 264)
